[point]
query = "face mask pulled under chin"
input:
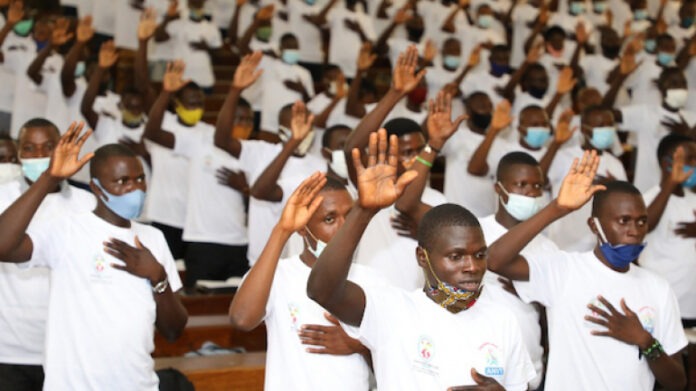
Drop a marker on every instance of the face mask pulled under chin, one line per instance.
(9, 172)
(285, 134)
(450, 297)
(321, 245)
(619, 255)
(338, 163)
(519, 206)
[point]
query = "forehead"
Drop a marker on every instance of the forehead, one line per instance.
(533, 115)
(115, 167)
(335, 200)
(590, 96)
(522, 173)
(451, 237)
(619, 204)
(411, 140)
(480, 102)
(7, 147)
(38, 135)
(599, 117)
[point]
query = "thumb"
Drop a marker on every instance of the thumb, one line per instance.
(331, 318)
(459, 120)
(405, 179)
(138, 244)
(478, 378)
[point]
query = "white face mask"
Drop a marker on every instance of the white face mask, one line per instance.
(9, 172)
(320, 245)
(519, 206)
(338, 163)
(676, 97)
(285, 134)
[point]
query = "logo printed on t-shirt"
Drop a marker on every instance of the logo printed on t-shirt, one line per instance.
(647, 318)
(294, 311)
(491, 355)
(425, 348)
(98, 271)
(425, 351)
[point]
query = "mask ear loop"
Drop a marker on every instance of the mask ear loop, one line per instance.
(427, 259)
(313, 237)
(600, 231)
(452, 297)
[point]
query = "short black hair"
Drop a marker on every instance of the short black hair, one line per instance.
(667, 73)
(131, 90)
(663, 37)
(333, 184)
(554, 30)
(192, 85)
(243, 103)
(38, 123)
(441, 216)
(500, 48)
(530, 108)
(103, 153)
(514, 158)
(593, 109)
(326, 138)
(287, 36)
(402, 126)
(669, 144)
(474, 95)
(600, 197)
(535, 66)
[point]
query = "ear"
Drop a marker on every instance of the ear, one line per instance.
(326, 154)
(97, 191)
(592, 225)
(420, 257)
(501, 194)
(302, 232)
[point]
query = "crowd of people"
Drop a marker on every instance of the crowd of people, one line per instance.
(560, 255)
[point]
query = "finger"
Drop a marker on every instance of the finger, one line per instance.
(625, 308)
(115, 254)
(597, 321)
(81, 141)
(459, 120)
(598, 311)
(138, 244)
(357, 162)
(372, 150)
(393, 159)
(601, 333)
(313, 330)
(315, 205)
(119, 267)
(318, 351)
(382, 146)
(607, 304)
(85, 159)
(404, 180)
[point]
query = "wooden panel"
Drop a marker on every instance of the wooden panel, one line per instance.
(214, 304)
(233, 372)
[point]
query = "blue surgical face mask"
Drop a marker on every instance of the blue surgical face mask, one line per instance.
(320, 245)
(620, 255)
(650, 45)
(128, 206)
(599, 6)
(519, 206)
(665, 58)
(603, 137)
(485, 21)
(291, 56)
(451, 62)
(80, 69)
(537, 136)
(33, 168)
(641, 14)
(577, 7)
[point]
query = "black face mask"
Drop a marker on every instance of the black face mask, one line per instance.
(537, 92)
(611, 52)
(481, 121)
(414, 35)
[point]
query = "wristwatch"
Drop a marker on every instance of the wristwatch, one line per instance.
(430, 149)
(161, 286)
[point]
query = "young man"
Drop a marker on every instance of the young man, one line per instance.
(445, 327)
(275, 291)
(9, 160)
(626, 348)
(25, 292)
(671, 207)
(98, 336)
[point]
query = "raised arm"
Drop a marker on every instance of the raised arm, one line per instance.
(15, 245)
(478, 164)
(146, 30)
(581, 38)
(15, 13)
(440, 129)
(265, 14)
(248, 307)
(319, 20)
(402, 16)
(627, 65)
(667, 187)
(561, 135)
(378, 187)
(474, 59)
(504, 254)
(538, 27)
(161, 34)
(59, 37)
(171, 83)
(404, 79)
(566, 82)
(107, 58)
(366, 58)
(323, 117)
(508, 92)
(244, 76)
(266, 186)
(85, 32)
(232, 33)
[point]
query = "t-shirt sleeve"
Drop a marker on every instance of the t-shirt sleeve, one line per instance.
(520, 370)
(547, 273)
(670, 332)
(46, 237)
(379, 303)
(165, 258)
(213, 38)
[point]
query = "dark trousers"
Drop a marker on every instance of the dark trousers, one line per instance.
(173, 237)
(212, 261)
(15, 377)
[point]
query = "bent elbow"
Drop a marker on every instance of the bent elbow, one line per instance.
(241, 322)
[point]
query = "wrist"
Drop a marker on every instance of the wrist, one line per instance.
(158, 275)
(645, 341)
(281, 233)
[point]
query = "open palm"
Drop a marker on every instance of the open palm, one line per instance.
(404, 77)
(174, 77)
(577, 187)
(85, 30)
(378, 184)
(440, 124)
(65, 160)
(246, 73)
(147, 25)
(107, 55)
(303, 203)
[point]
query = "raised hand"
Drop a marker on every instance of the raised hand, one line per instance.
(301, 122)
(677, 176)
(329, 339)
(138, 260)
(624, 327)
(577, 187)
(16, 12)
(440, 124)
(429, 51)
(302, 204)
(246, 73)
(475, 56)
(107, 55)
(147, 25)
(265, 13)
(403, 15)
(65, 159)
(627, 63)
(483, 383)
(678, 127)
(85, 30)
(174, 76)
(563, 131)
(341, 90)
(566, 81)
(404, 76)
(581, 33)
(378, 185)
(366, 57)
(60, 35)
(172, 10)
(502, 116)
(404, 225)
(233, 179)
(686, 230)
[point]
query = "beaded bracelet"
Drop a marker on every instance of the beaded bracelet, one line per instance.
(653, 352)
(424, 162)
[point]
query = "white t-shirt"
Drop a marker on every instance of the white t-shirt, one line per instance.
(391, 255)
(418, 345)
(437, 76)
(101, 320)
(641, 82)
(526, 314)
(184, 32)
(214, 212)
(263, 215)
(104, 16)
(288, 365)
(167, 194)
(321, 101)
(434, 14)
(275, 94)
(646, 122)
(566, 283)
(671, 256)
(522, 16)
(483, 81)
(597, 68)
(344, 44)
(308, 35)
(24, 292)
(571, 233)
(126, 25)
(401, 110)
(399, 45)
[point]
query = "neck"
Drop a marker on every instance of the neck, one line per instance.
(669, 108)
(110, 217)
(475, 128)
(307, 257)
(598, 254)
(589, 147)
(332, 173)
(503, 217)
